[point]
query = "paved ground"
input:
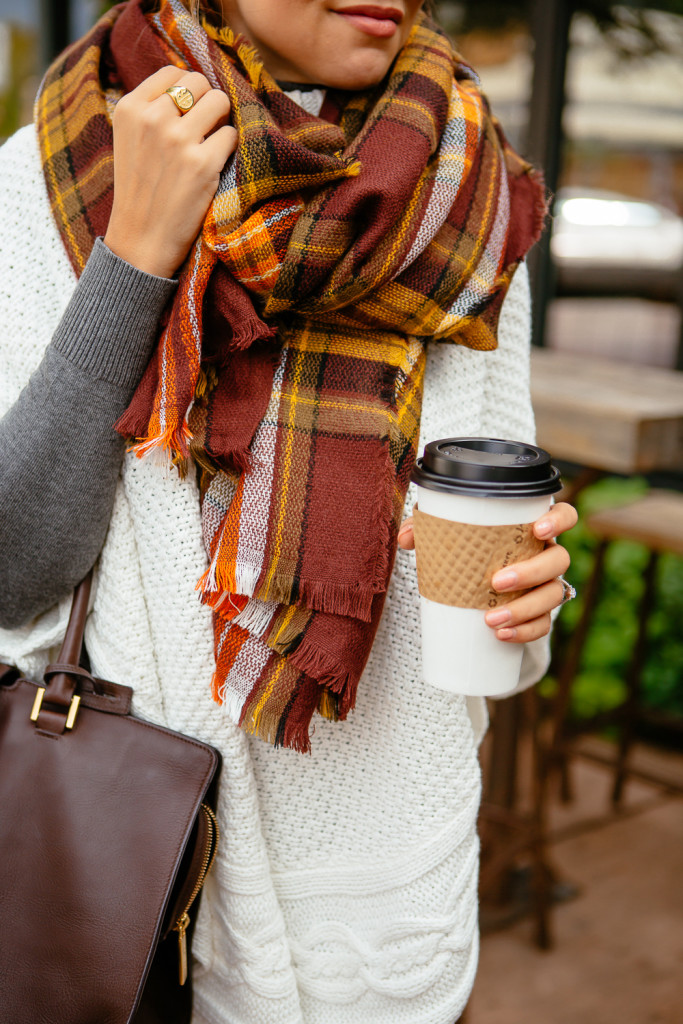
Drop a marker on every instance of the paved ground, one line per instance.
(618, 957)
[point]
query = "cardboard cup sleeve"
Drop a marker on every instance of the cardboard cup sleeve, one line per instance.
(455, 561)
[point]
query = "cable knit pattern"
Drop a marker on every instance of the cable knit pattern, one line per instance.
(345, 887)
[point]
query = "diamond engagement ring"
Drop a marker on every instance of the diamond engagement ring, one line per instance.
(568, 591)
(182, 97)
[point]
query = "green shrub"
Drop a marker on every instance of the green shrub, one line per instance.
(600, 683)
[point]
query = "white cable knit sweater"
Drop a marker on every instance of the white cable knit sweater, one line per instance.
(345, 887)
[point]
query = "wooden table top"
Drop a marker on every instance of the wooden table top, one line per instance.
(655, 520)
(617, 417)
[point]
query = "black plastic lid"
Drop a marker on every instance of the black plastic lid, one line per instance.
(486, 467)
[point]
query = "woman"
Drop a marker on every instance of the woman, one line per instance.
(315, 256)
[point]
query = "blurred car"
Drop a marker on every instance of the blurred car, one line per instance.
(610, 244)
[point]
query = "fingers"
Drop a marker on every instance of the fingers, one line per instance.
(197, 85)
(527, 617)
(155, 85)
(210, 113)
(406, 536)
(526, 632)
(559, 518)
(210, 105)
(167, 166)
(211, 108)
(553, 561)
(220, 145)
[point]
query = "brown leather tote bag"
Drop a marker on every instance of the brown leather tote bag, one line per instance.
(107, 831)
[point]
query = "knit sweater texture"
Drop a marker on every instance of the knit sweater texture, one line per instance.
(345, 889)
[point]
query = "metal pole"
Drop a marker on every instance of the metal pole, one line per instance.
(678, 358)
(550, 23)
(55, 29)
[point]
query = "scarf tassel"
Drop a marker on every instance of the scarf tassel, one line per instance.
(294, 725)
(244, 334)
(353, 601)
(173, 440)
(323, 667)
(328, 706)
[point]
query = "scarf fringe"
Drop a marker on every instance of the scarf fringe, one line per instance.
(228, 605)
(249, 56)
(206, 381)
(295, 736)
(222, 577)
(328, 706)
(174, 440)
(255, 617)
(382, 527)
(246, 333)
(230, 701)
(210, 592)
(264, 723)
(287, 632)
(241, 459)
(294, 725)
(347, 700)
(327, 670)
(354, 601)
(310, 270)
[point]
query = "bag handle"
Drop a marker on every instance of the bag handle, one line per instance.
(72, 645)
(60, 684)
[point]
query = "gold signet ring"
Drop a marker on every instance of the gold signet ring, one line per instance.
(182, 97)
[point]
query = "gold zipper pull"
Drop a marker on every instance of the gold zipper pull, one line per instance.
(181, 928)
(183, 921)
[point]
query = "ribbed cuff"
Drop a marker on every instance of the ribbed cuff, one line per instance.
(110, 325)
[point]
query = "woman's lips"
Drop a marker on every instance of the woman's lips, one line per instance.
(380, 22)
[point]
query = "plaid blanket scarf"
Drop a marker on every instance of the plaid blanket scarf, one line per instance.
(289, 367)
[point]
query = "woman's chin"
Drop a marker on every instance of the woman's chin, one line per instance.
(362, 72)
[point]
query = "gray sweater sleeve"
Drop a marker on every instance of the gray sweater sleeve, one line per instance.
(59, 455)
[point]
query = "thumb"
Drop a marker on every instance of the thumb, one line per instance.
(406, 537)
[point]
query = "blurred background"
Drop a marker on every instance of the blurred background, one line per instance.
(582, 820)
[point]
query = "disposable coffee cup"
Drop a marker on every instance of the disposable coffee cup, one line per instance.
(477, 499)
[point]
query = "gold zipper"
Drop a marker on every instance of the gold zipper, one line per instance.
(183, 921)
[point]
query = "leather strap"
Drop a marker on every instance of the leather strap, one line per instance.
(59, 668)
(61, 679)
(73, 638)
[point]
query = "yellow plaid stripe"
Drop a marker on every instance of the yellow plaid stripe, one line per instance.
(292, 228)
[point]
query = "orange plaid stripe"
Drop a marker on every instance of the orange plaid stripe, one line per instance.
(334, 248)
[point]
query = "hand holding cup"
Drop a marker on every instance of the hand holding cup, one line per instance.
(527, 617)
(486, 559)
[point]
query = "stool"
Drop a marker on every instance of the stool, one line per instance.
(655, 520)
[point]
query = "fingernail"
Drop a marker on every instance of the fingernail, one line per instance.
(402, 532)
(504, 580)
(498, 617)
(544, 528)
(506, 634)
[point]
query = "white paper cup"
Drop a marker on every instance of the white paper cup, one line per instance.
(460, 653)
